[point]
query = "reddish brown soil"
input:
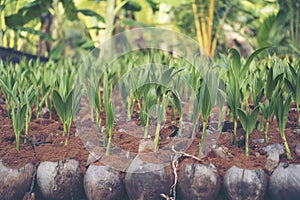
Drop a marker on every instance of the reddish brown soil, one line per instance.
(46, 142)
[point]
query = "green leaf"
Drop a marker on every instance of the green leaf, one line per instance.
(70, 9)
(59, 105)
(243, 119)
(150, 98)
(132, 5)
(252, 56)
(57, 51)
(76, 99)
(27, 13)
(177, 102)
(22, 117)
(290, 86)
(91, 13)
(235, 59)
(166, 77)
(36, 32)
(205, 101)
(253, 119)
(68, 105)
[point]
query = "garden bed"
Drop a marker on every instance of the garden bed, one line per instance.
(46, 143)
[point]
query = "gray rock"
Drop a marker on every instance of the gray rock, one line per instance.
(60, 180)
(92, 158)
(14, 183)
(146, 146)
(245, 184)
(103, 182)
(221, 151)
(197, 181)
(260, 141)
(146, 181)
(272, 161)
(297, 150)
(296, 131)
(285, 181)
(278, 147)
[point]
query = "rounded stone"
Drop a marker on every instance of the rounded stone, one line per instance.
(103, 182)
(144, 180)
(198, 181)
(14, 183)
(297, 150)
(285, 182)
(60, 180)
(245, 184)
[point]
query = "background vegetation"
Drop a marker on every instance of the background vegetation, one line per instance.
(64, 28)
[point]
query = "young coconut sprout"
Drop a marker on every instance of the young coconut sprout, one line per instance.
(267, 110)
(109, 113)
(98, 104)
(292, 81)
(236, 75)
(91, 92)
(18, 117)
(63, 106)
(161, 116)
(176, 103)
(205, 104)
(268, 105)
(29, 100)
(233, 101)
(150, 99)
(18, 112)
(282, 107)
(248, 122)
(9, 83)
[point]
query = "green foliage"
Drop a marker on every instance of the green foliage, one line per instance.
(282, 107)
(236, 79)
(206, 103)
(18, 111)
(292, 82)
(109, 112)
(27, 13)
(267, 110)
(63, 107)
(248, 122)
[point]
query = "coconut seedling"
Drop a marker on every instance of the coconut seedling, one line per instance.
(98, 105)
(147, 108)
(267, 107)
(205, 103)
(248, 121)
(18, 111)
(28, 96)
(236, 79)
(9, 82)
(267, 110)
(292, 82)
(63, 106)
(282, 107)
(66, 99)
(161, 116)
(109, 113)
(166, 94)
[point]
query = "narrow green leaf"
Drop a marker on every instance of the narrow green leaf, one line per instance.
(177, 102)
(253, 119)
(243, 119)
(91, 13)
(235, 59)
(252, 56)
(59, 105)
